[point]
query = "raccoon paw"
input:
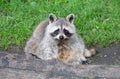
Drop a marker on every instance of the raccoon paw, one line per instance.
(80, 62)
(85, 62)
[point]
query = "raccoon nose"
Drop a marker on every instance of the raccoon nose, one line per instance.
(61, 37)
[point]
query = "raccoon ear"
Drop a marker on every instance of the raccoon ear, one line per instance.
(70, 18)
(52, 17)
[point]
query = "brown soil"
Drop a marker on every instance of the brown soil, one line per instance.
(105, 56)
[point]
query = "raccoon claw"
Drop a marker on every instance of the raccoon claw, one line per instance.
(85, 62)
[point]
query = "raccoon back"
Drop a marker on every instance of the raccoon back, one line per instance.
(40, 30)
(35, 39)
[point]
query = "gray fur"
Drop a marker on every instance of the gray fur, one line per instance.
(46, 47)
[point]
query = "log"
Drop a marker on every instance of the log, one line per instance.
(15, 66)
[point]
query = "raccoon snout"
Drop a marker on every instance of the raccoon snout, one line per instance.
(61, 37)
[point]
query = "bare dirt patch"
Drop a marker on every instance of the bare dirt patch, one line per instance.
(107, 56)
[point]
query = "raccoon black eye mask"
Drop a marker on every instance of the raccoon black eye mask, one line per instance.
(67, 33)
(56, 32)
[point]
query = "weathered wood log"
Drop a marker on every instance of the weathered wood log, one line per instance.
(14, 66)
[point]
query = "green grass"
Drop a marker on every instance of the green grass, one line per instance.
(97, 21)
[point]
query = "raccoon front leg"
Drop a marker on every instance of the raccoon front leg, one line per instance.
(46, 52)
(80, 58)
(79, 49)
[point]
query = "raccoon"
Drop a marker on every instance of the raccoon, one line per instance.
(56, 38)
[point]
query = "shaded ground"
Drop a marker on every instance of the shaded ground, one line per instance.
(109, 55)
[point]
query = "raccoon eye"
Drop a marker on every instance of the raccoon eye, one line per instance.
(56, 32)
(67, 33)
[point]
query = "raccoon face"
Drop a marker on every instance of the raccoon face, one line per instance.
(61, 34)
(61, 28)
